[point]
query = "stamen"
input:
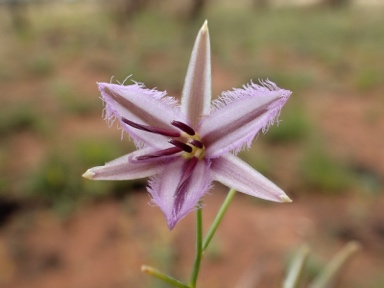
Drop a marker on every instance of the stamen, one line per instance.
(156, 130)
(165, 152)
(184, 127)
(181, 145)
(197, 144)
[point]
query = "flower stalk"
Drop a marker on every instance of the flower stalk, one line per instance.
(199, 246)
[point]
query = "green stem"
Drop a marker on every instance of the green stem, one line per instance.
(218, 218)
(199, 246)
(160, 275)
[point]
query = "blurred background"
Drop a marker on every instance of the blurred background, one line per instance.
(60, 230)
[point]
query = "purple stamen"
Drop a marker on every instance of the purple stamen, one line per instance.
(165, 152)
(156, 130)
(181, 145)
(184, 127)
(197, 144)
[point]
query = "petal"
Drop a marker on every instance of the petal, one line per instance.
(196, 96)
(235, 173)
(149, 154)
(239, 115)
(165, 192)
(142, 106)
(123, 169)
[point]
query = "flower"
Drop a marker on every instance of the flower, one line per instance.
(183, 148)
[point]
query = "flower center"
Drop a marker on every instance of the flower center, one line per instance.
(184, 140)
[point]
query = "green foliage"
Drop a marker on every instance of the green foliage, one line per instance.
(367, 79)
(294, 126)
(274, 42)
(92, 152)
(55, 185)
(41, 65)
(58, 181)
(18, 118)
(73, 101)
(260, 161)
(5, 74)
(323, 173)
(163, 255)
(327, 276)
(293, 81)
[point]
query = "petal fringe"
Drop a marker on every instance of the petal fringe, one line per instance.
(140, 105)
(176, 201)
(238, 116)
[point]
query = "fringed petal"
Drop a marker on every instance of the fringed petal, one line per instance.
(238, 115)
(143, 106)
(179, 187)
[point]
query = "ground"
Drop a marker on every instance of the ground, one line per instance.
(104, 244)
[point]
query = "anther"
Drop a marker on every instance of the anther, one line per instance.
(181, 145)
(156, 130)
(184, 127)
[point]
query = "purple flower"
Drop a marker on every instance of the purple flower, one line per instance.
(183, 148)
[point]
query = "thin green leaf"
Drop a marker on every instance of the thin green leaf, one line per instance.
(328, 275)
(160, 275)
(296, 269)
